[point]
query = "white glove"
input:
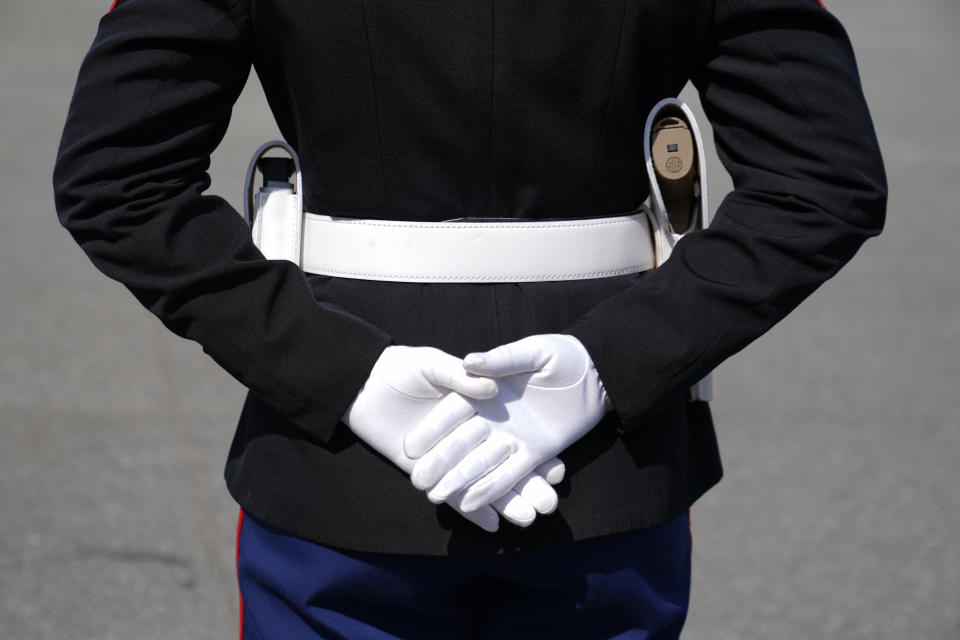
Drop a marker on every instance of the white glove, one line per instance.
(550, 396)
(413, 385)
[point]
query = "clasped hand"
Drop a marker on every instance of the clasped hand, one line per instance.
(550, 395)
(422, 386)
(482, 434)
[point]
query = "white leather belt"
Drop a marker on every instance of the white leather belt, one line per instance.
(465, 251)
(477, 251)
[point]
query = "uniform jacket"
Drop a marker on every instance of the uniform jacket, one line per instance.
(442, 109)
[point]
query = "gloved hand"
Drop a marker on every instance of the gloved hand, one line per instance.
(550, 396)
(413, 385)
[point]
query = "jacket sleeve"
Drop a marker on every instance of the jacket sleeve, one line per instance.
(778, 82)
(152, 101)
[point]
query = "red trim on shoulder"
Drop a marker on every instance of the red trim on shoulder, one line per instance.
(822, 6)
(113, 6)
(237, 561)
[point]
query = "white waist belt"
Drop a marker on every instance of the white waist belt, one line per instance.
(453, 251)
(460, 251)
(477, 251)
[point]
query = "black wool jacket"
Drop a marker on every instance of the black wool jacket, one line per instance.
(443, 109)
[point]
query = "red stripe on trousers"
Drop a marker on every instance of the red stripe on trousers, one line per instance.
(237, 561)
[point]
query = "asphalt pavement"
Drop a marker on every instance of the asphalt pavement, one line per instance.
(840, 510)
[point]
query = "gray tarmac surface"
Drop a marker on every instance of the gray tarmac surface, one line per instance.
(840, 428)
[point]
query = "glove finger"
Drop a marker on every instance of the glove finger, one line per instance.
(485, 518)
(552, 470)
(447, 415)
(515, 509)
(484, 458)
(496, 483)
(447, 372)
(440, 460)
(538, 493)
(523, 356)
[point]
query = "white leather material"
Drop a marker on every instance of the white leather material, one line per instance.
(275, 212)
(277, 224)
(550, 396)
(482, 251)
(664, 238)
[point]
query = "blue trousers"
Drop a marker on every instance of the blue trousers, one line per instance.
(628, 586)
